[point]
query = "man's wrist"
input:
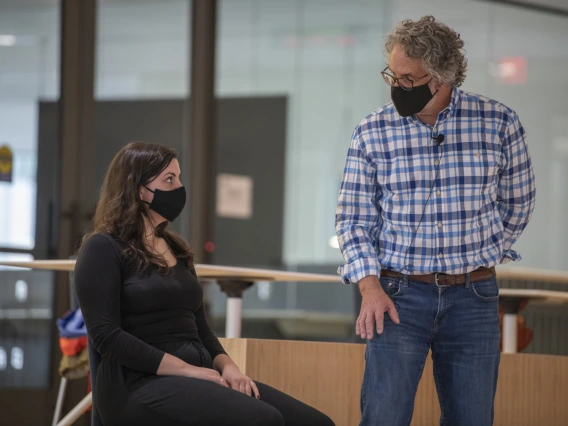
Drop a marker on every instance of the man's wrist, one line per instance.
(370, 284)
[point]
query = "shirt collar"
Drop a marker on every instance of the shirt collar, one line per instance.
(450, 110)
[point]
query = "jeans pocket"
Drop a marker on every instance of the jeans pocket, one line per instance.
(391, 286)
(486, 290)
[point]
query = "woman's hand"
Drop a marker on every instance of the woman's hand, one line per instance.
(239, 382)
(207, 374)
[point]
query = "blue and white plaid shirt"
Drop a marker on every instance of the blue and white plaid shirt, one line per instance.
(482, 193)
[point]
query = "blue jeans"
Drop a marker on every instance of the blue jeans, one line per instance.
(460, 324)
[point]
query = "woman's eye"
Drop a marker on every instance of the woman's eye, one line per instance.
(169, 180)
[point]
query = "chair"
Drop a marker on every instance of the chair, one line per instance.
(94, 360)
(87, 401)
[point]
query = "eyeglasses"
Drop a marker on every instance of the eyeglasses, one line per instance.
(404, 83)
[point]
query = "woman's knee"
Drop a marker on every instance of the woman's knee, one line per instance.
(269, 416)
(316, 418)
(325, 421)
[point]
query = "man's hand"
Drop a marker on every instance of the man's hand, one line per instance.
(375, 304)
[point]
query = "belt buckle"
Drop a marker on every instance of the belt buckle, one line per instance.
(436, 280)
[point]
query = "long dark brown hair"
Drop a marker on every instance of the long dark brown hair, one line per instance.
(121, 213)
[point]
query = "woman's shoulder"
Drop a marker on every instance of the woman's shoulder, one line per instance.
(100, 238)
(102, 243)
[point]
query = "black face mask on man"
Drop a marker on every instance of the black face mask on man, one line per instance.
(411, 102)
(168, 204)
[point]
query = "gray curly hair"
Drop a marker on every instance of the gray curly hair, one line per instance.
(438, 47)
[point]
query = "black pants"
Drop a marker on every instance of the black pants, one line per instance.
(180, 401)
(125, 397)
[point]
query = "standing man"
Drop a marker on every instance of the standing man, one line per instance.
(438, 186)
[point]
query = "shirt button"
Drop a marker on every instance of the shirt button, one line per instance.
(435, 130)
(439, 224)
(436, 162)
(477, 154)
(438, 192)
(440, 255)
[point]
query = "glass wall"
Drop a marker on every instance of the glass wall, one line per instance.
(326, 56)
(29, 74)
(529, 59)
(142, 49)
(142, 78)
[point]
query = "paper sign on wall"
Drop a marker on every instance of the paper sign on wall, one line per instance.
(234, 196)
(6, 164)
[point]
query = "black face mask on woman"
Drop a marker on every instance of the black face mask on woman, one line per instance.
(411, 102)
(167, 204)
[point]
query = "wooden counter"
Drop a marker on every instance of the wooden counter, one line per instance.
(532, 390)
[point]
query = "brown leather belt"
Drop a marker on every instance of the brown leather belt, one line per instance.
(438, 278)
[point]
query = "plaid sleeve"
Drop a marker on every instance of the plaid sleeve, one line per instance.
(357, 217)
(516, 189)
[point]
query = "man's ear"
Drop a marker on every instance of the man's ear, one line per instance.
(437, 85)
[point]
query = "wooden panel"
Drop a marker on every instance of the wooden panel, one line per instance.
(532, 390)
(237, 350)
(326, 376)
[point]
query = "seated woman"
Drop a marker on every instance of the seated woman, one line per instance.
(143, 306)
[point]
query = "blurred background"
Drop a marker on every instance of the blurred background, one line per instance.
(290, 81)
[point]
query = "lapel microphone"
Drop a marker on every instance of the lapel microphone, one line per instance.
(439, 139)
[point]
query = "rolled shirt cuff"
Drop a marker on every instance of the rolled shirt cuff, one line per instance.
(510, 255)
(352, 273)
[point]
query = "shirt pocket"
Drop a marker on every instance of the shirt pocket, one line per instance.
(487, 161)
(476, 175)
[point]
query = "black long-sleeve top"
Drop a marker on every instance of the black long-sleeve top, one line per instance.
(130, 314)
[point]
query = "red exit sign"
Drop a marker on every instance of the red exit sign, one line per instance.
(513, 70)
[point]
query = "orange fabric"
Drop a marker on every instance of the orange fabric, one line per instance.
(524, 333)
(72, 347)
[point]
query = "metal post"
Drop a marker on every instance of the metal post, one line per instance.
(76, 122)
(510, 333)
(60, 398)
(203, 124)
(511, 307)
(77, 411)
(234, 290)
(233, 321)
(76, 194)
